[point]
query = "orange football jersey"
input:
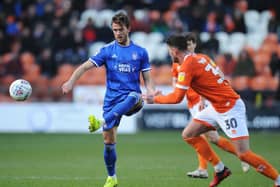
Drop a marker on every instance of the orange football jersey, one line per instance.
(192, 97)
(200, 73)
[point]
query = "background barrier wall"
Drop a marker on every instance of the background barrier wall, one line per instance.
(72, 117)
(167, 117)
(53, 117)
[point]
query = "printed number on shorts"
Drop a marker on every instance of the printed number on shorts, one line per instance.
(216, 71)
(231, 123)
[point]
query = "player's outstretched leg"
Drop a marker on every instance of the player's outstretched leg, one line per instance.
(226, 145)
(94, 123)
(261, 165)
(130, 105)
(111, 182)
(204, 149)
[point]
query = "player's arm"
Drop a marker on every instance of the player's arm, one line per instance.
(148, 82)
(68, 85)
(172, 98)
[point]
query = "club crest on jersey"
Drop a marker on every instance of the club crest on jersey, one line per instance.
(181, 76)
(134, 56)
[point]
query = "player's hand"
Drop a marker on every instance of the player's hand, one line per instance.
(67, 87)
(149, 97)
(201, 104)
(157, 92)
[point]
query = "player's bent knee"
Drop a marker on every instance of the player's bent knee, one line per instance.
(134, 94)
(138, 103)
(187, 134)
(213, 138)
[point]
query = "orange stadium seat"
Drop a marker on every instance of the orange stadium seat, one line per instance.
(251, 51)
(240, 83)
(164, 76)
(94, 76)
(259, 83)
(271, 38)
(7, 80)
(268, 48)
(261, 62)
(278, 50)
(64, 72)
(273, 83)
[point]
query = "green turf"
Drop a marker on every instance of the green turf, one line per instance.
(147, 159)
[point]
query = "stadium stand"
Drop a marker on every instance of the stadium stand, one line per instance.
(42, 41)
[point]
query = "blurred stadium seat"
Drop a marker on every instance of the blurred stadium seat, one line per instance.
(252, 20)
(89, 13)
(104, 18)
(95, 47)
(204, 36)
(64, 72)
(140, 14)
(240, 83)
(139, 37)
(223, 39)
(257, 41)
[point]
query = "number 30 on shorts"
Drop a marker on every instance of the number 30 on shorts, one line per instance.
(231, 123)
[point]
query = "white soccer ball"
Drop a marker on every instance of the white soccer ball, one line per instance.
(20, 90)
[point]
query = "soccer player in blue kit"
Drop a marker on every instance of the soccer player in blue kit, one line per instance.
(124, 61)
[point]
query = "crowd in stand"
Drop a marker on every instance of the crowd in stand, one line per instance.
(43, 40)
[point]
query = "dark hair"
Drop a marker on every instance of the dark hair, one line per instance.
(121, 18)
(177, 40)
(190, 37)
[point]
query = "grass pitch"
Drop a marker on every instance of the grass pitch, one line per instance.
(147, 159)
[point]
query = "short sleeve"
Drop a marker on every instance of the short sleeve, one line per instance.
(99, 58)
(184, 77)
(145, 63)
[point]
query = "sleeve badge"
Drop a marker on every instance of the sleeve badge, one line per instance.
(181, 76)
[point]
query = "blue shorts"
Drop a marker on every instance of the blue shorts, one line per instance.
(117, 118)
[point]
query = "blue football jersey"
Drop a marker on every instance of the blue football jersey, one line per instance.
(123, 67)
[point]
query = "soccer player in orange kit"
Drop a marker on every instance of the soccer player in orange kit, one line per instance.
(227, 109)
(196, 103)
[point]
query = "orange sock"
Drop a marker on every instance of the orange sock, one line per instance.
(260, 164)
(203, 148)
(226, 145)
(202, 162)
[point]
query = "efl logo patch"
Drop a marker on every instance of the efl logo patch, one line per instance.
(181, 76)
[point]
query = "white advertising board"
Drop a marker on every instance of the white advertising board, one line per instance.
(54, 117)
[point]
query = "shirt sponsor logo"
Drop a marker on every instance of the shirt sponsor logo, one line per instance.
(124, 68)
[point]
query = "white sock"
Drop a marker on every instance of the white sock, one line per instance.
(219, 167)
(114, 176)
(277, 181)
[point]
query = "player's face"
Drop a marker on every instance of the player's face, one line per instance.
(120, 33)
(191, 46)
(174, 53)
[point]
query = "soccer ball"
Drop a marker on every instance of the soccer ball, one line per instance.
(20, 90)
